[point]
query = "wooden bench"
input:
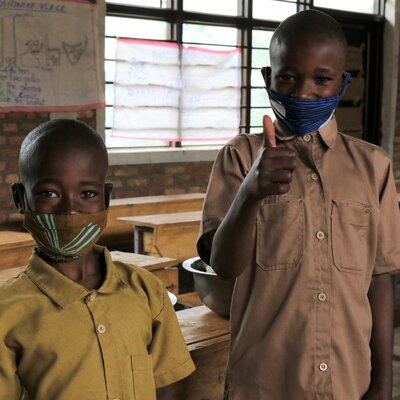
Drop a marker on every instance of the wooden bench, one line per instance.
(118, 235)
(15, 249)
(164, 268)
(166, 235)
(207, 337)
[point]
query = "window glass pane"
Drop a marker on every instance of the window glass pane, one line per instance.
(256, 116)
(363, 6)
(259, 98)
(256, 78)
(109, 68)
(224, 7)
(260, 58)
(210, 34)
(109, 116)
(262, 38)
(136, 28)
(273, 10)
(109, 94)
(109, 48)
(143, 3)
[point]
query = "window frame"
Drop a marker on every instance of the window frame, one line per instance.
(176, 16)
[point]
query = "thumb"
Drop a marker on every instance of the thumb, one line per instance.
(269, 132)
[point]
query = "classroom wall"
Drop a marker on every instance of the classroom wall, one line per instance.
(128, 180)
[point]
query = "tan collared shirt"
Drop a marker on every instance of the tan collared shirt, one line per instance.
(301, 319)
(64, 342)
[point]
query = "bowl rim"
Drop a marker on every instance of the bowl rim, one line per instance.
(172, 297)
(187, 265)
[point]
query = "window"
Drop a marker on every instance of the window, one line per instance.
(223, 24)
(361, 6)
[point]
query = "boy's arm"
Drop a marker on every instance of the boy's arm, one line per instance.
(10, 386)
(381, 300)
(270, 174)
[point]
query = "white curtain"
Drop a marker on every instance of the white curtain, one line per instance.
(163, 91)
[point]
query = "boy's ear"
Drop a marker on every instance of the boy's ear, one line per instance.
(107, 193)
(18, 193)
(266, 74)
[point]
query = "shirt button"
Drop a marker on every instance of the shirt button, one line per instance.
(314, 176)
(323, 367)
(322, 296)
(307, 138)
(320, 235)
(101, 328)
(92, 296)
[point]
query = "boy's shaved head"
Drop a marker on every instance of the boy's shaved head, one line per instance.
(308, 25)
(55, 137)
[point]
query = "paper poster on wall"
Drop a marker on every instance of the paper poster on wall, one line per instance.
(163, 91)
(49, 56)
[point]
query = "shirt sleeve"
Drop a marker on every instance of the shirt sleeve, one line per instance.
(171, 358)
(388, 249)
(231, 166)
(10, 387)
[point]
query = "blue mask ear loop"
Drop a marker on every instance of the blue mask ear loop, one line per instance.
(346, 81)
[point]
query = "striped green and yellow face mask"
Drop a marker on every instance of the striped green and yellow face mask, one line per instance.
(65, 237)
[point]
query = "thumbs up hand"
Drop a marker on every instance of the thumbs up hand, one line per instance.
(269, 132)
(273, 168)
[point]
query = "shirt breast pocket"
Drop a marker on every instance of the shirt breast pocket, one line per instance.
(280, 234)
(143, 378)
(351, 226)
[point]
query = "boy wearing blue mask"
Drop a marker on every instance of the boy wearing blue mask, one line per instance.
(75, 324)
(306, 219)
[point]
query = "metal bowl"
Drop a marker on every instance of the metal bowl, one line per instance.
(172, 297)
(214, 292)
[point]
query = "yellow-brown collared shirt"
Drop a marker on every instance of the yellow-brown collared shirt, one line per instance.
(63, 342)
(300, 317)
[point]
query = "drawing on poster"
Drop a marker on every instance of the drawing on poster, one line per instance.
(48, 57)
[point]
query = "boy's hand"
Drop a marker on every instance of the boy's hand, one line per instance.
(269, 132)
(273, 168)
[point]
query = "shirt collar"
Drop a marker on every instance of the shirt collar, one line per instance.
(327, 133)
(64, 291)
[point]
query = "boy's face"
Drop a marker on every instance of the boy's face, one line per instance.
(308, 69)
(66, 182)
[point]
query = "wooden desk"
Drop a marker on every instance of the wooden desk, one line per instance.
(164, 268)
(166, 235)
(8, 273)
(118, 234)
(15, 248)
(207, 337)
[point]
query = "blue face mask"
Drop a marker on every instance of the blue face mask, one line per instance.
(304, 116)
